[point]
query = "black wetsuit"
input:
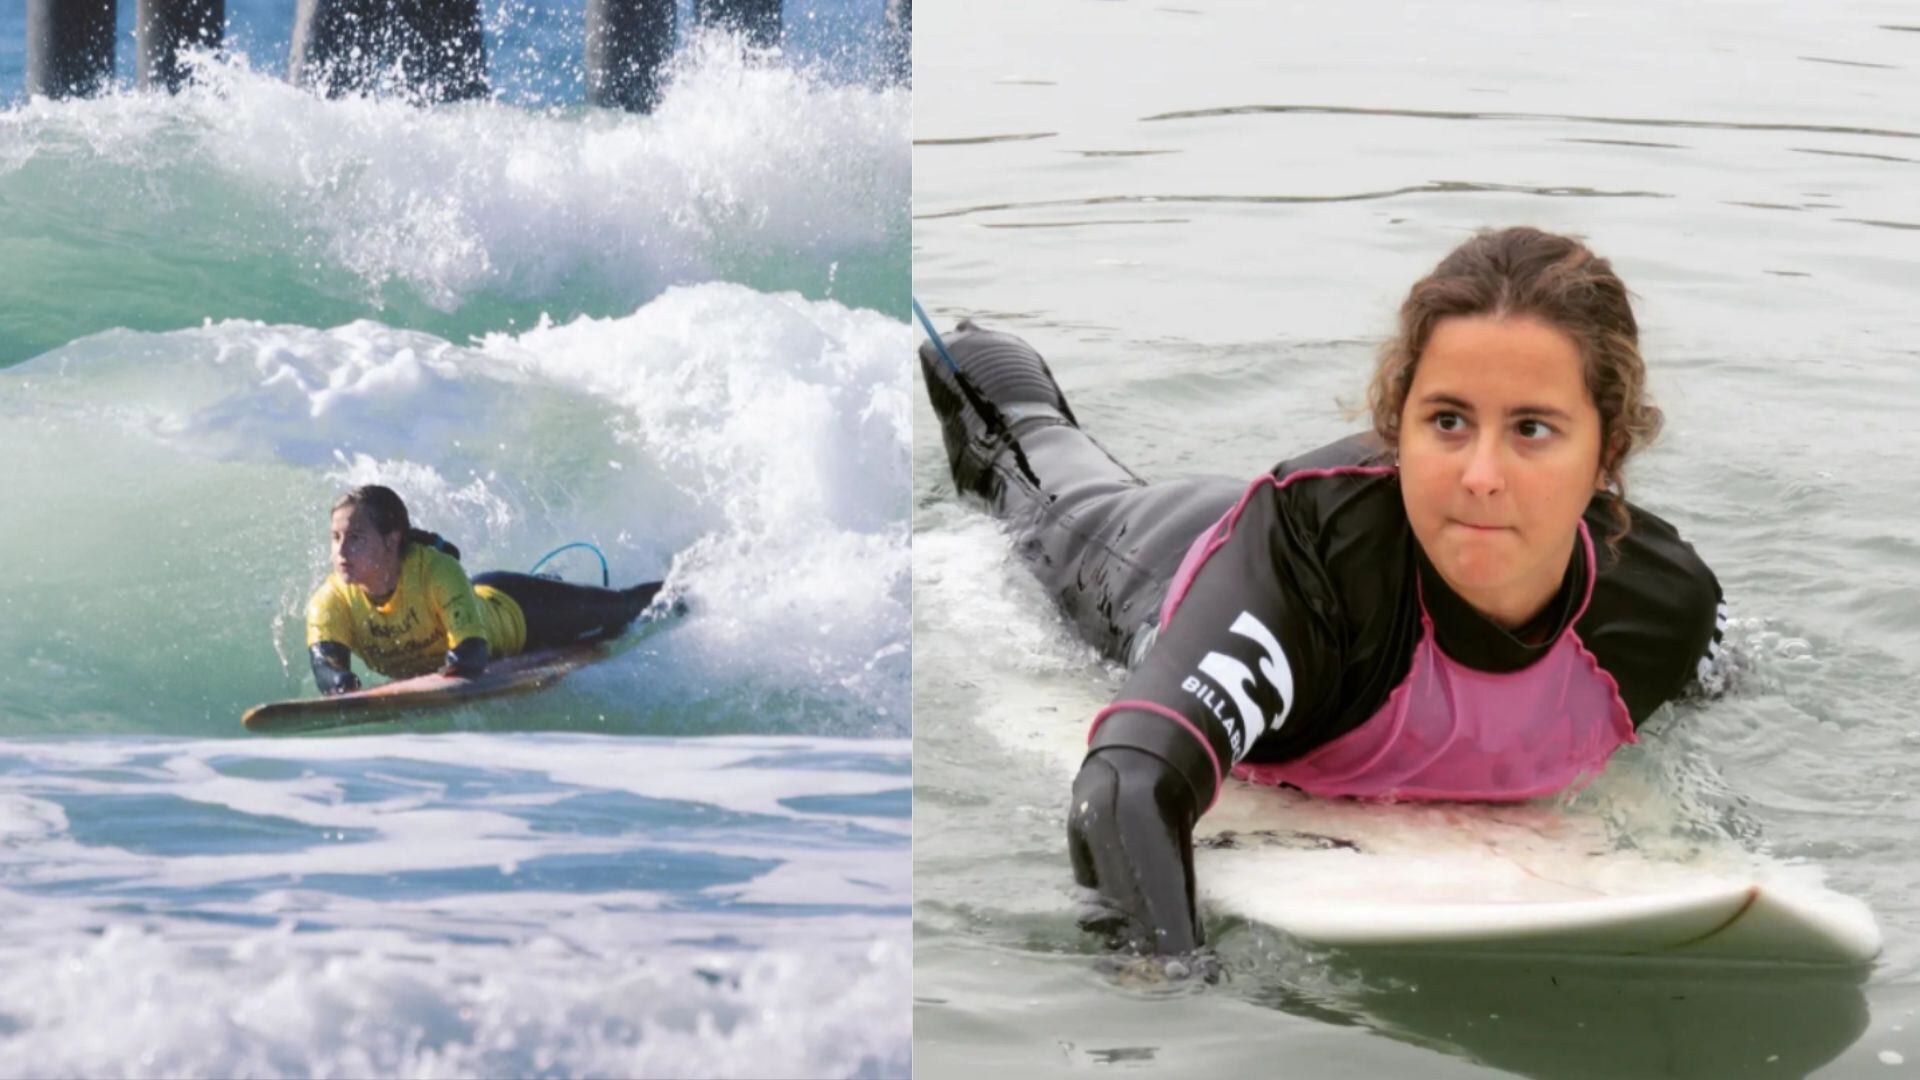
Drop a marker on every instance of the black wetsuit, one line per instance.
(562, 613)
(555, 613)
(1304, 612)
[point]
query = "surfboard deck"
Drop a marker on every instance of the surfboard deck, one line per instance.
(521, 674)
(1521, 880)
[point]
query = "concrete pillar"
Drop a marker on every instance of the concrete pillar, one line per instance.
(759, 20)
(447, 57)
(435, 47)
(628, 43)
(69, 47)
(899, 58)
(167, 26)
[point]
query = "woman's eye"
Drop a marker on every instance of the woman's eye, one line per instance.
(1533, 429)
(1449, 421)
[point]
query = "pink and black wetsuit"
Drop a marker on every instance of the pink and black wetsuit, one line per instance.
(1292, 631)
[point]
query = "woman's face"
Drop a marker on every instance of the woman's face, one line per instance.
(1499, 456)
(362, 555)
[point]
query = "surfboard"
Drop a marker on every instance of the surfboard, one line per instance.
(521, 674)
(1531, 879)
(1476, 879)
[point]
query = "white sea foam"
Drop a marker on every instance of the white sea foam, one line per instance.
(317, 959)
(786, 424)
(134, 1002)
(973, 589)
(742, 161)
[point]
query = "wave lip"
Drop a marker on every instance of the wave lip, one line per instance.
(246, 197)
(788, 425)
(750, 448)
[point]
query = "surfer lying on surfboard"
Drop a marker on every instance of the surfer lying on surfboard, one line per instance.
(399, 597)
(1457, 605)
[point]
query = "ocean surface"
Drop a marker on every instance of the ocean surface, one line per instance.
(1204, 214)
(677, 336)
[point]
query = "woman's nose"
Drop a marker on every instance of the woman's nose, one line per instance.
(1486, 472)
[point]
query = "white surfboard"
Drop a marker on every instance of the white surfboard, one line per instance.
(1525, 879)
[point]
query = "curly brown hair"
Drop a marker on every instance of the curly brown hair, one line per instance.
(1524, 271)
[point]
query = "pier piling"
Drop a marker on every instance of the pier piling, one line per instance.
(431, 49)
(69, 47)
(757, 20)
(628, 43)
(165, 27)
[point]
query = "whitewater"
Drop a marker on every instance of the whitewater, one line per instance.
(677, 336)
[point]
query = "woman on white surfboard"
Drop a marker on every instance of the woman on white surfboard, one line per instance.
(1459, 604)
(399, 597)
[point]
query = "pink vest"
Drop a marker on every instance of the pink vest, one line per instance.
(1449, 732)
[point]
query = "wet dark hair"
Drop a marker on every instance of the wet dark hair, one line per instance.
(389, 514)
(1560, 281)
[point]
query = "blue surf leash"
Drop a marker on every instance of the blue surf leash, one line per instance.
(939, 346)
(606, 576)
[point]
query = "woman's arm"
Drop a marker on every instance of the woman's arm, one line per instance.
(329, 632)
(333, 668)
(1140, 790)
(1242, 653)
(453, 597)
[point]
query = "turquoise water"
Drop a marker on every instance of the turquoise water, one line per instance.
(1205, 215)
(676, 336)
(245, 198)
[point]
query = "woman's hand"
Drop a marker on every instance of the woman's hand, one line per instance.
(1130, 835)
(466, 660)
(333, 668)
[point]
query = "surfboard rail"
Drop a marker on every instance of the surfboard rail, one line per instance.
(1413, 880)
(521, 674)
(1726, 921)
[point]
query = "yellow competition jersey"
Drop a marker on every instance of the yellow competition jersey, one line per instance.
(432, 609)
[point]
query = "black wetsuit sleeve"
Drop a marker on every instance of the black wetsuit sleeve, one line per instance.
(332, 668)
(1249, 649)
(467, 660)
(1708, 675)
(1656, 619)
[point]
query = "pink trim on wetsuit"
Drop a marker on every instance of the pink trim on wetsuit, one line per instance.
(1215, 538)
(1450, 732)
(1209, 541)
(1158, 709)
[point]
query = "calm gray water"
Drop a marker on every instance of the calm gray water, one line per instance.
(1204, 214)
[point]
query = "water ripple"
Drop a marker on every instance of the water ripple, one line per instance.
(976, 140)
(1564, 118)
(1437, 187)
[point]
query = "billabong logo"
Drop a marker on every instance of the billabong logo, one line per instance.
(1263, 700)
